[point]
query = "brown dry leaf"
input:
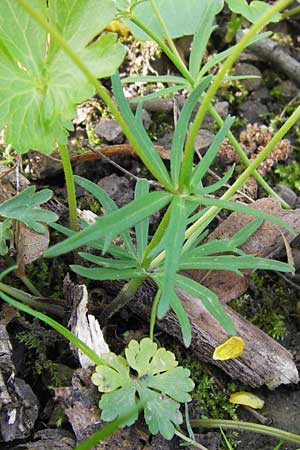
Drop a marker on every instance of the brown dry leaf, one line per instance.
(267, 242)
(30, 246)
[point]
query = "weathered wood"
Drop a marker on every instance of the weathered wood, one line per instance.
(264, 360)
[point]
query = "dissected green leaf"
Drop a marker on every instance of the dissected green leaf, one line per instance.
(109, 206)
(108, 262)
(114, 223)
(160, 385)
(209, 299)
(183, 320)
(252, 11)
(142, 227)
(39, 84)
(145, 149)
(6, 233)
(25, 207)
(182, 128)
(107, 274)
(202, 35)
(211, 153)
(181, 18)
(173, 241)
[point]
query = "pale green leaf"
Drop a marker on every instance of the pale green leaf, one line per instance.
(39, 84)
(209, 300)
(252, 11)
(114, 223)
(181, 18)
(25, 207)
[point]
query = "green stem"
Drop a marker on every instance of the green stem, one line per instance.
(290, 12)
(190, 441)
(30, 286)
(101, 90)
(71, 192)
(167, 34)
(30, 301)
(125, 295)
(186, 74)
(177, 61)
(249, 171)
(247, 426)
(211, 212)
(153, 313)
(187, 163)
(245, 159)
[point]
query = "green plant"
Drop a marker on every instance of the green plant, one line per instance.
(190, 206)
(40, 86)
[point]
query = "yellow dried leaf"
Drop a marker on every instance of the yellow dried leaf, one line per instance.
(247, 399)
(232, 348)
(117, 26)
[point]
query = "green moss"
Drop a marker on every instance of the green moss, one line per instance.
(38, 273)
(267, 304)
(36, 340)
(289, 174)
(211, 398)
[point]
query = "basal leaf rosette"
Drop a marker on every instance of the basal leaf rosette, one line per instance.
(148, 375)
(40, 86)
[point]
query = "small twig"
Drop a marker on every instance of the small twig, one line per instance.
(117, 166)
(262, 419)
(217, 177)
(290, 282)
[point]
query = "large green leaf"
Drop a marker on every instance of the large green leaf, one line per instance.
(209, 300)
(25, 207)
(39, 84)
(181, 17)
(114, 223)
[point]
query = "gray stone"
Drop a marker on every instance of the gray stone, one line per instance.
(288, 89)
(118, 188)
(253, 111)
(110, 130)
(250, 84)
(147, 121)
(203, 140)
(222, 108)
(287, 194)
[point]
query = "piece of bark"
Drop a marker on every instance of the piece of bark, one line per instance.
(264, 360)
(270, 51)
(81, 407)
(83, 325)
(19, 404)
(49, 439)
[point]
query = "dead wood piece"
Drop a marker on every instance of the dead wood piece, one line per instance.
(83, 325)
(264, 361)
(269, 50)
(80, 401)
(50, 439)
(19, 405)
